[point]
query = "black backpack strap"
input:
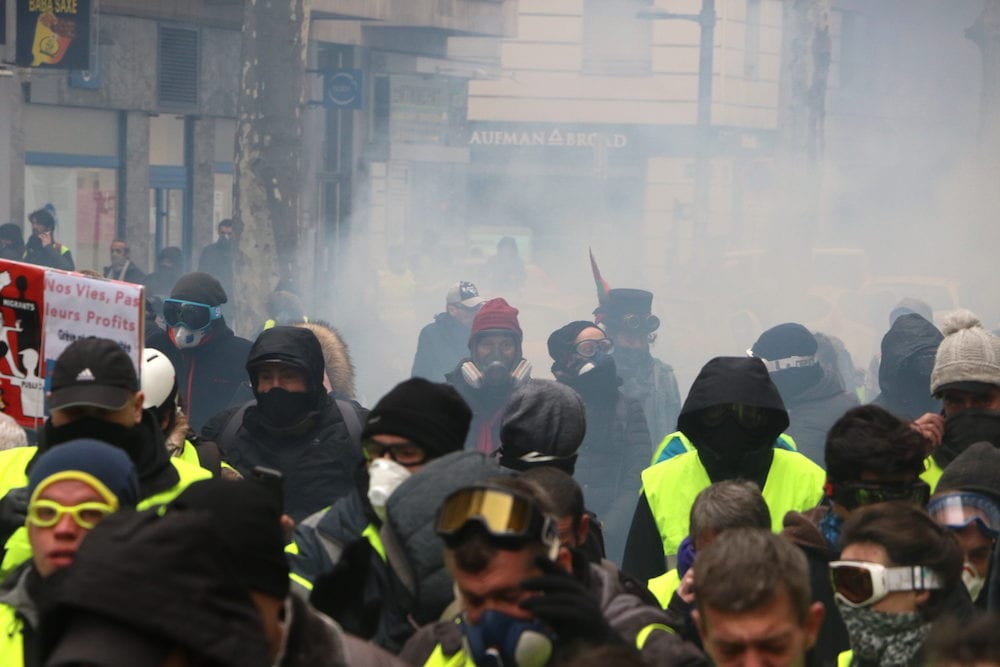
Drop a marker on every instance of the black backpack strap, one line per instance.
(209, 457)
(232, 426)
(351, 419)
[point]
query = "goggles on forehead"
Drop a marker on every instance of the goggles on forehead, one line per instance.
(963, 508)
(851, 495)
(503, 514)
(748, 416)
(191, 314)
(859, 584)
(588, 348)
(47, 513)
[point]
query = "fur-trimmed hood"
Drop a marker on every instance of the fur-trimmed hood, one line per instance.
(336, 357)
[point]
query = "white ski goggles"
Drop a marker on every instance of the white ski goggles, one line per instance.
(859, 584)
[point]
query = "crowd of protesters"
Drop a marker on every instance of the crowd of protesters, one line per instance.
(231, 502)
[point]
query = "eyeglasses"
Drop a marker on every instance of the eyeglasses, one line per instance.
(405, 454)
(588, 348)
(851, 495)
(504, 514)
(859, 584)
(960, 509)
(193, 315)
(47, 513)
(748, 416)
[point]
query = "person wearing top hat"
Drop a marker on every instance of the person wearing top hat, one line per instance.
(626, 315)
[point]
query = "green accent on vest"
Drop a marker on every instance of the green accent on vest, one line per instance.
(664, 586)
(845, 658)
(370, 533)
(11, 637)
(932, 472)
(688, 447)
(794, 483)
(640, 639)
(439, 659)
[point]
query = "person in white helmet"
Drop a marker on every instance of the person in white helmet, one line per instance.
(159, 387)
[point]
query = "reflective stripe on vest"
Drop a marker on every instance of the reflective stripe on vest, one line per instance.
(932, 472)
(794, 483)
(677, 443)
(370, 533)
(845, 658)
(640, 639)
(663, 586)
(459, 659)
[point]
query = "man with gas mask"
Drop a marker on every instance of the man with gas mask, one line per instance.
(95, 395)
(616, 446)
(966, 377)
(522, 602)
(732, 416)
(294, 426)
(625, 314)
(206, 354)
(494, 370)
(337, 553)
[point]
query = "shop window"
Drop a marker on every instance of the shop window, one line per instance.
(86, 203)
(177, 80)
(616, 41)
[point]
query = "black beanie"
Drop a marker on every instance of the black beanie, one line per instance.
(543, 425)
(200, 288)
(247, 517)
(427, 413)
(785, 340)
(977, 469)
(561, 340)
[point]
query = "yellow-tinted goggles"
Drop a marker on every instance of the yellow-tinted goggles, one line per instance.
(502, 513)
(47, 513)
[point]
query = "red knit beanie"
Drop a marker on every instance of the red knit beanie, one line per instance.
(496, 314)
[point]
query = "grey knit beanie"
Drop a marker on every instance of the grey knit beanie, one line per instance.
(544, 424)
(968, 353)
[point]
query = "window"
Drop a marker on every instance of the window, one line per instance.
(616, 42)
(177, 80)
(751, 47)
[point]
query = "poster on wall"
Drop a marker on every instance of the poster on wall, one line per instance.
(43, 311)
(54, 34)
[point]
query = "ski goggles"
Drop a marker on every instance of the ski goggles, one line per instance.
(748, 416)
(639, 322)
(191, 314)
(588, 348)
(851, 495)
(405, 454)
(964, 508)
(859, 584)
(502, 513)
(47, 513)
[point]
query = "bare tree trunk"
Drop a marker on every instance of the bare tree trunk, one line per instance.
(802, 117)
(267, 186)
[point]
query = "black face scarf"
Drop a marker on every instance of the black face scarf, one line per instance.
(148, 453)
(967, 428)
(282, 408)
(732, 451)
(595, 384)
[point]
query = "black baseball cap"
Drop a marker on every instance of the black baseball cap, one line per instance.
(93, 371)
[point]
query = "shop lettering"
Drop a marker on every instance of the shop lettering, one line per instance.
(60, 6)
(547, 138)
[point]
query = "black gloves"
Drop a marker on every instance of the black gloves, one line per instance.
(13, 512)
(567, 607)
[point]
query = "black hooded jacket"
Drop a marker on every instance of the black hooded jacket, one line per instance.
(209, 375)
(317, 455)
(723, 380)
(904, 376)
(813, 407)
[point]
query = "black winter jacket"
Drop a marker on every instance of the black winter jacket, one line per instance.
(904, 375)
(442, 344)
(317, 456)
(614, 452)
(208, 376)
(813, 410)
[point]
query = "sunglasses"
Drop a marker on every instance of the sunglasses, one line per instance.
(588, 348)
(859, 584)
(748, 416)
(47, 513)
(503, 514)
(960, 509)
(857, 494)
(193, 315)
(404, 454)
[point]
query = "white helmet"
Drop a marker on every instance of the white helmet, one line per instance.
(158, 378)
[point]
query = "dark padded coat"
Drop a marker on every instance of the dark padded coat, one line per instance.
(904, 374)
(813, 410)
(441, 345)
